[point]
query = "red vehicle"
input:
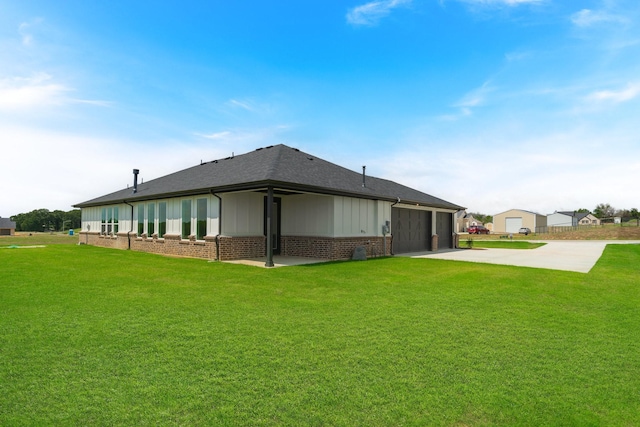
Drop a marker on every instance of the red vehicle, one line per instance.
(478, 229)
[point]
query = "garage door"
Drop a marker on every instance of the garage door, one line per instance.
(444, 230)
(512, 225)
(411, 230)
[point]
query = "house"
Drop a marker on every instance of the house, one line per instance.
(7, 227)
(464, 220)
(571, 219)
(589, 219)
(512, 220)
(274, 200)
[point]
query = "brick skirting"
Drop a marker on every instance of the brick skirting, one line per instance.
(232, 248)
(332, 248)
(169, 245)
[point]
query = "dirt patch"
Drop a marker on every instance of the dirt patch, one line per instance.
(607, 232)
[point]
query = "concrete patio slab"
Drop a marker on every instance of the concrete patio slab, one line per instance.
(579, 256)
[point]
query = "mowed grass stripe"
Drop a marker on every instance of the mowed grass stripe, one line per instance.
(97, 336)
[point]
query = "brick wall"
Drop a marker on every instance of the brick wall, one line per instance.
(332, 248)
(170, 245)
(242, 247)
(239, 247)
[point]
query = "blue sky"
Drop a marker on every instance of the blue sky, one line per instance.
(490, 104)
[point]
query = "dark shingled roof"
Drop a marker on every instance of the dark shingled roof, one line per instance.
(280, 166)
(7, 223)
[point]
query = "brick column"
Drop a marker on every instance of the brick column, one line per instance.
(434, 242)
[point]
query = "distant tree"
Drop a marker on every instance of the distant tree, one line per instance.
(44, 220)
(482, 217)
(635, 215)
(604, 210)
(583, 210)
(75, 217)
(625, 214)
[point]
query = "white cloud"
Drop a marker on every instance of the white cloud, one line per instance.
(217, 135)
(24, 29)
(503, 2)
(36, 92)
(494, 171)
(248, 138)
(54, 170)
(28, 92)
(472, 99)
(371, 13)
(617, 96)
(588, 17)
(246, 105)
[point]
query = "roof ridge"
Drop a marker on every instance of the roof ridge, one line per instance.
(273, 167)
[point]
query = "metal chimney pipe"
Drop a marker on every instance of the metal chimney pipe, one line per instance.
(135, 180)
(363, 175)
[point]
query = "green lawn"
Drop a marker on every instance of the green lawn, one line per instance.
(501, 244)
(92, 336)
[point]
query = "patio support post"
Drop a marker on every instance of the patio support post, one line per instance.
(269, 242)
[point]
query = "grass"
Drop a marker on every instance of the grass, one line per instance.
(35, 238)
(94, 336)
(500, 244)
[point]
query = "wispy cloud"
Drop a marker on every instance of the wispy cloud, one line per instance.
(25, 31)
(503, 2)
(617, 96)
(27, 92)
(472, 99)
(247, 137)
(245, 105)
(588, 17)
(250, 105)
(371, 13)
(38, 91)
(216, 135)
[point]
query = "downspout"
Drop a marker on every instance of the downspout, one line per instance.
(269, 248)
(219, 224)
(130, 225)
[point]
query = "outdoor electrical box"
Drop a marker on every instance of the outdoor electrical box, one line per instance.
(385, 228)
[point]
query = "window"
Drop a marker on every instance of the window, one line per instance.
(186, 218)
(109, 223)
(140, 220)
(162, 219)
(151, 218)
(109, 220)
(115, 220)
(201, 218)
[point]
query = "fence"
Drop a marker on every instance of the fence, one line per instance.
(565, 228)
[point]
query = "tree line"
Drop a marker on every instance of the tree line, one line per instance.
(605, 210)
(45, 220)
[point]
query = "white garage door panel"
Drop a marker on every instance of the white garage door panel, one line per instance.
(513, 225)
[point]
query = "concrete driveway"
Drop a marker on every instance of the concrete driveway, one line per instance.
(579, 256)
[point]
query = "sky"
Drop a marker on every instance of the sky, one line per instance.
(489, 104)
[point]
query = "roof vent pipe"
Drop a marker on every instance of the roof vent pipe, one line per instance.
(135, 180)
(363, 176)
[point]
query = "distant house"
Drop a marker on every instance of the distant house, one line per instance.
(274, 200)
(512, 220)
(464, 220)
(589, 219)
(571, 219)
(7, 227)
